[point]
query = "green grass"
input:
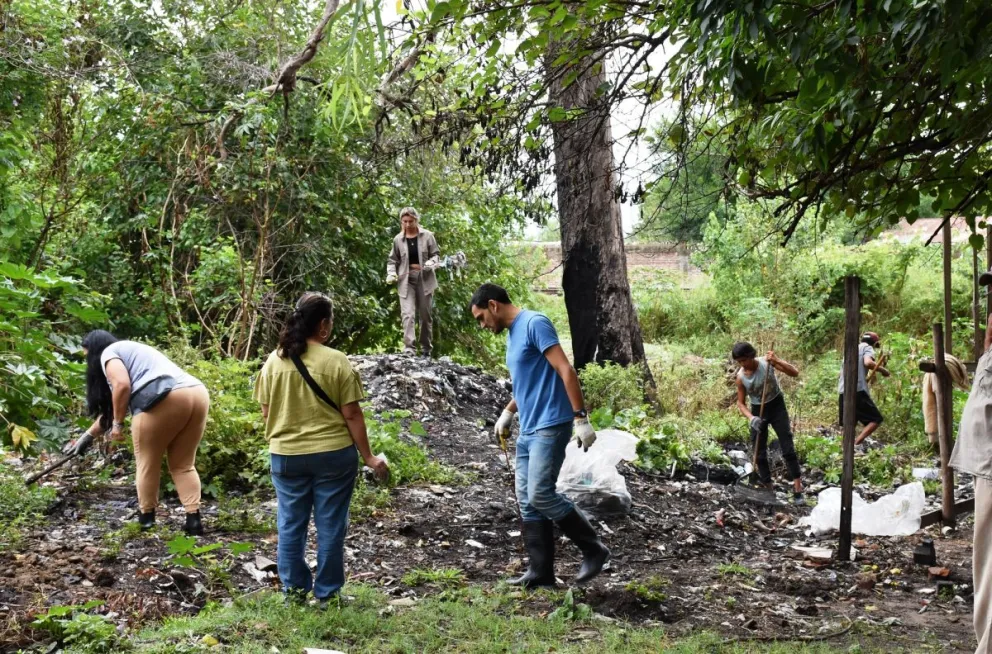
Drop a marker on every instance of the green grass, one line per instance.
(727, 569)
(476, 620)
(440, 577)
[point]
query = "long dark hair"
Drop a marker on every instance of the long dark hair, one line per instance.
(99, 399)
(311, 309)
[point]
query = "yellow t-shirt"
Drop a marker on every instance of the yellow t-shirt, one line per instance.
(299, 422)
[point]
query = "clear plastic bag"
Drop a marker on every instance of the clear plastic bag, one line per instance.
(591, 480)
(897, 514)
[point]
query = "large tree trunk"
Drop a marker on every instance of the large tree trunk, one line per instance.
(601, 311)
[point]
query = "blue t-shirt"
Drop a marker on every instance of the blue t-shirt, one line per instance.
(537, 388)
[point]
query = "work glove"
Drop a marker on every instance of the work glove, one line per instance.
(585, 435)
(757, 424)
(503, 427)
(391, 278)
(80, 445)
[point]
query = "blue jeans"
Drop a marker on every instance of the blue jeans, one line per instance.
(540, 455)
(320, 483)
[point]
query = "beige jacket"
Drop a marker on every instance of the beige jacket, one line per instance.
(399, 261)
(973, 450)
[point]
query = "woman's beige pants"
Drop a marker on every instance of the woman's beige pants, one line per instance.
(174, 426)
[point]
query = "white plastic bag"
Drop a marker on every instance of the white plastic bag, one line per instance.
(897, 514)
(590, 479)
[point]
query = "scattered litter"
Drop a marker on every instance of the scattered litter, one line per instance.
(936, 571)
(815, 553)
(475, 543)
(926, 473)
(897, 514)
(925, 553)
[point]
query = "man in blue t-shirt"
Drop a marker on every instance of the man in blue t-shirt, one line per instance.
(546, 391)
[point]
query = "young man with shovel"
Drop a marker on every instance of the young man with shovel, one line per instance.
(552, 411)
(756, 381)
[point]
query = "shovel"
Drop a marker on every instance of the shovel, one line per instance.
(751, 468)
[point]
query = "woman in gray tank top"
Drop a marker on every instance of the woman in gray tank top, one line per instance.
(169, 413)
(752, 393)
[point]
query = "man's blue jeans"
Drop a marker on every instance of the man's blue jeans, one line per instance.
(540, 455)
(322, 484)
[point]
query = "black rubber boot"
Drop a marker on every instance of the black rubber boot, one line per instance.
(193, 526)
(146, 520)
(539, 537)
(576, 526)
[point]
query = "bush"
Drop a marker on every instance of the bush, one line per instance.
(20, 507)
(612, 386)
(408, 460)
(233, 452)
(39, 378)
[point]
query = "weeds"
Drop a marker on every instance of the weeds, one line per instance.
(438, 577)
(650, 590)
(408, 461)
(83, 632)
(240, 514)
(114, 541)
(729, 569)
(215, 560)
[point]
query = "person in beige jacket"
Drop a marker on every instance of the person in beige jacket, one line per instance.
(411, 266)
(973, 455)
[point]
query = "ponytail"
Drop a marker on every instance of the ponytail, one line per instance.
(303, 323)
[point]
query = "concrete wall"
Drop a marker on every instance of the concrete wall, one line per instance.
(640, 257)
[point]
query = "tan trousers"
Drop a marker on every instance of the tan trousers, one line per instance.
(982, 565)
(174, 426)
(414, 308)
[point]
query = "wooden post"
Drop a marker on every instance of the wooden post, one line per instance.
(976, 309)
(944, 424)
(852, 336)
(948, 321)
(988, 263)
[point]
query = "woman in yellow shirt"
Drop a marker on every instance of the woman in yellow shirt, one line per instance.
(313, 433)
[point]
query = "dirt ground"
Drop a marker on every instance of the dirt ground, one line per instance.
(690, 555)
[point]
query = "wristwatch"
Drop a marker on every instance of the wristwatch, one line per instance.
(581, 413)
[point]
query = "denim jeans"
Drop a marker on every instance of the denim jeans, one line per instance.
(540, 455)
(321, 484)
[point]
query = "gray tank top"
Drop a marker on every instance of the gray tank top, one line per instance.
(753, 384)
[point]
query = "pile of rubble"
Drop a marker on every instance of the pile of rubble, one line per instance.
(431, 387)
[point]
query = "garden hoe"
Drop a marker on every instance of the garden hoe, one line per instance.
(79, 450)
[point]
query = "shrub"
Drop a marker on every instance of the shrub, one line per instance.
(408, 460)
(612, 386)
(233, 452)
(20, 507)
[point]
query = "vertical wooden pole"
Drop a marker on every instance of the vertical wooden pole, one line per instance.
(852, 334)
(945, 408)
(976, 308)
(988, 263)
(948, 321)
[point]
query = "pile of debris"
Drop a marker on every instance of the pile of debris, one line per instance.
(431, 387)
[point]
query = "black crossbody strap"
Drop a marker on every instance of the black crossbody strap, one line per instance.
(298, 362)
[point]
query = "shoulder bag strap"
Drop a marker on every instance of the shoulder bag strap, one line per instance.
(311, 382)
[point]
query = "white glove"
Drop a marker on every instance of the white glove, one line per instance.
(390, 278)
(503, 425)
(585, 435)
(757, 423)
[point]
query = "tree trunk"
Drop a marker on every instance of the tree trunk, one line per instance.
(601, 313)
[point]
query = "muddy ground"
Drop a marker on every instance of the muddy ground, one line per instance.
(690, 555)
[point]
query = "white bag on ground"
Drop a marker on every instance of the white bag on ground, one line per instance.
(897, 514)
(590, 479)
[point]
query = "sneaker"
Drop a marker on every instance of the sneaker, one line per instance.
(799, 499)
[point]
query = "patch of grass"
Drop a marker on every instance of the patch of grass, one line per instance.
(113, 541)
(650, 589)
(20, 507)
(484, 621)
(367, 500)
(241, 514)
(408, 461)
(727, 569)
(439, 577)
